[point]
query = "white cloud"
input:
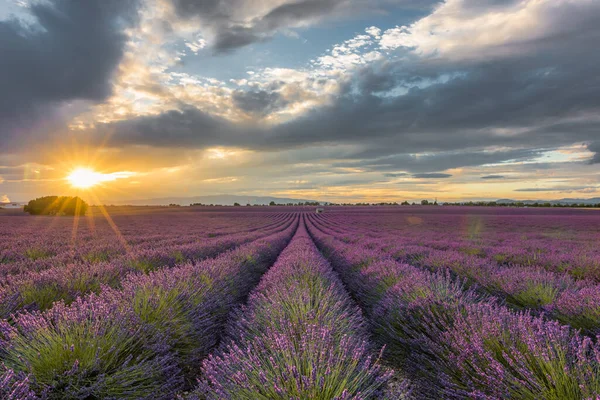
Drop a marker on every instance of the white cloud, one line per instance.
(4, 198)
(374, 31)
(196, 45)
(239, 82)
(463, 29)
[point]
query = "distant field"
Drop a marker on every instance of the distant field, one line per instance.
(283, 303)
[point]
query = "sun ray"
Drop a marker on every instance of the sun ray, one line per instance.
(75, 225)
(112, 224)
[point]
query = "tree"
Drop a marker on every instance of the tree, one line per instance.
(55, 205)
(272, 203)
(424, 202)
(236, 204)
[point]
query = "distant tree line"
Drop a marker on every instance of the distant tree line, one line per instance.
(523, 204)
(272, 203)
(306, 203)
(56, 205)
(422, 202)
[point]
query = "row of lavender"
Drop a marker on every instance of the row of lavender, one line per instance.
(299, 337)
(37, 243)
(562, 241)
(143, 341)
(558, 295)
(459, 343)
(39, 290)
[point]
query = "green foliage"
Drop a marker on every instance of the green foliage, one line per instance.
(98, 256)
(179, 257)
(93, 358)
(145, 264)
(55, 205)
(473, 251)
(165, 309)
(43, 296)
(37, 254)
(535, 295)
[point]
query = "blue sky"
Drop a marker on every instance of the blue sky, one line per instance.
(287, 51)
(343, 100)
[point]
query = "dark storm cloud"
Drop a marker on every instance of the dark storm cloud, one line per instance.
(230, 33)
(432, 162)
(69, 54)
(289, 13)
(464, 111)
(493, 177)
(260, 102)
(432, 176)
(187, 128)
(594, 148)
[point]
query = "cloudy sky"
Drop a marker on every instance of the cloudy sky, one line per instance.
(343, 100)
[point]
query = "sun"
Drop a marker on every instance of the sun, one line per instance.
(85, 178)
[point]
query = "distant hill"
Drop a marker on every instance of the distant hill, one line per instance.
(224, 200)
(11, 204)
(594, 200)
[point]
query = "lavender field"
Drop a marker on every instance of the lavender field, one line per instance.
(283, 303)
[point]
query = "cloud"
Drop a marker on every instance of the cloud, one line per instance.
(238, 23)
(409, 112)
(377, 158)
(457, 96)
(4, 198)
(188, 128)
(232, 24)
(488, 29)
(432, 175)
(258, 102)
(493, 177)
(565, 189)
(69, 53)
(374, 31)
(594, 148)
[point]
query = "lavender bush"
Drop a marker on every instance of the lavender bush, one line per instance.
(463, 303)
(38, 290)
(138, 341)
(300, 337)
(468, 346)
(532, 288)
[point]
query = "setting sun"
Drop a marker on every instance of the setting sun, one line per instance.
(85, 178)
